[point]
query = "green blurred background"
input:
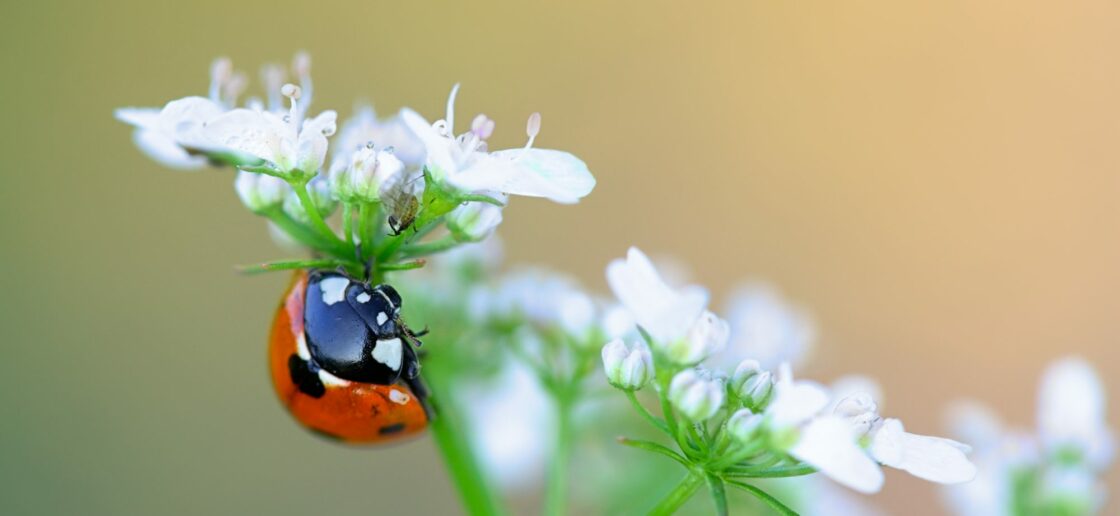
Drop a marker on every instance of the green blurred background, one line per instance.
(937, 180)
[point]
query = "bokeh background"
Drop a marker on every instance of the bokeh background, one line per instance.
(938, 181)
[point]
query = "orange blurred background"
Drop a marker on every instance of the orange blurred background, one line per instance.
(936, 180)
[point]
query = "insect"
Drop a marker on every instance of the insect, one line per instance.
(401, 203)
(343, 362)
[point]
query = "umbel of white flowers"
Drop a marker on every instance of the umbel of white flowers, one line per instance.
(840, 434)
(374, 162)
(1056, 469)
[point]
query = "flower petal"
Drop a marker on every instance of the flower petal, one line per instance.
(139, 117)
(436, 145)
(827, 444)
(663, 312)
(258, 133)
(312, 142)
(164, 150)
(931, 458)
(797, 402)
(555, 175)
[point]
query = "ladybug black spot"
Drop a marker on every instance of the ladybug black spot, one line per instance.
(391, 429)
(305, 379)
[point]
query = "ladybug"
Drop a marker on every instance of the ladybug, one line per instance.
(343, 362)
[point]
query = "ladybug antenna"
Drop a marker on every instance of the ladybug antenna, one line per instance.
(409, 335)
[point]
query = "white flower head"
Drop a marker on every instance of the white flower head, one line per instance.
(766, 328)
(628, 367)
(173, 135)
(752, 384)
(259, 192)
(368, 174)
(288, 144)
(697, 393)
(464, 162)
(828, 444)
(474, 221)
(667, 314)
(510, 421)
(1071, 411)
(364, 128)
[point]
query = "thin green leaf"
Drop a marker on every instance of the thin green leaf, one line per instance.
(778, 507)
(654, 447)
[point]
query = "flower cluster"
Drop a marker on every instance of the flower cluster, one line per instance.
(1055, 469)
(396, 179)
(754, 422)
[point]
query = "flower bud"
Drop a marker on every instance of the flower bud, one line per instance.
(627, 367)
(708, 335)
(743, 424)
(697, 393)
(260, 192)
(753, 385)
(369, 169)
(474, 221)
(320, 194)
(860, 410)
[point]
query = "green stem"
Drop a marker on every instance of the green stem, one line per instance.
(556, 493)
(283, 265)
(348, 223)
(645, 413)
(678, 496)
(307, 236)
(447, 430)
(719, 496)
(655, 448)
(776, 472)
(765, 497)
(405, 266)
(317, 222)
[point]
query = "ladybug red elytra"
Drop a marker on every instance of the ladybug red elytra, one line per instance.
(342, 361)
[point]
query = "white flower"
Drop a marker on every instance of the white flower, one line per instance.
(474, 221)
(320, 193)
(364, 128)
(510, 421)
(627, 367)
(1071, 411)
(825, 442)
(369, 172)
(697, 393)
(932, 458)
(545, 298)
(172, 135)
(464, 163)
(752, 384)
(260, 192)
(744, 424)
(766, 328)
(667, 314)
(828, 444)
(289, 145)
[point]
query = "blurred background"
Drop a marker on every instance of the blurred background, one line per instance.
(937, 181)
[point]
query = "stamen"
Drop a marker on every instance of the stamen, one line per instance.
(273, 78)
(482, 126)
(219, 73)
(450, 118)
(293, 93)
(301, 65)
(234, 87)
(532, 128)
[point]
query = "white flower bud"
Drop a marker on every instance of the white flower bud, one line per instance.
(260, 192)
(860, 410)
(627, 367)
(753, 385)
(369, 169)
(708, 335)
(697, 393)
(743, 424)
(474, 221)
(320, 194)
